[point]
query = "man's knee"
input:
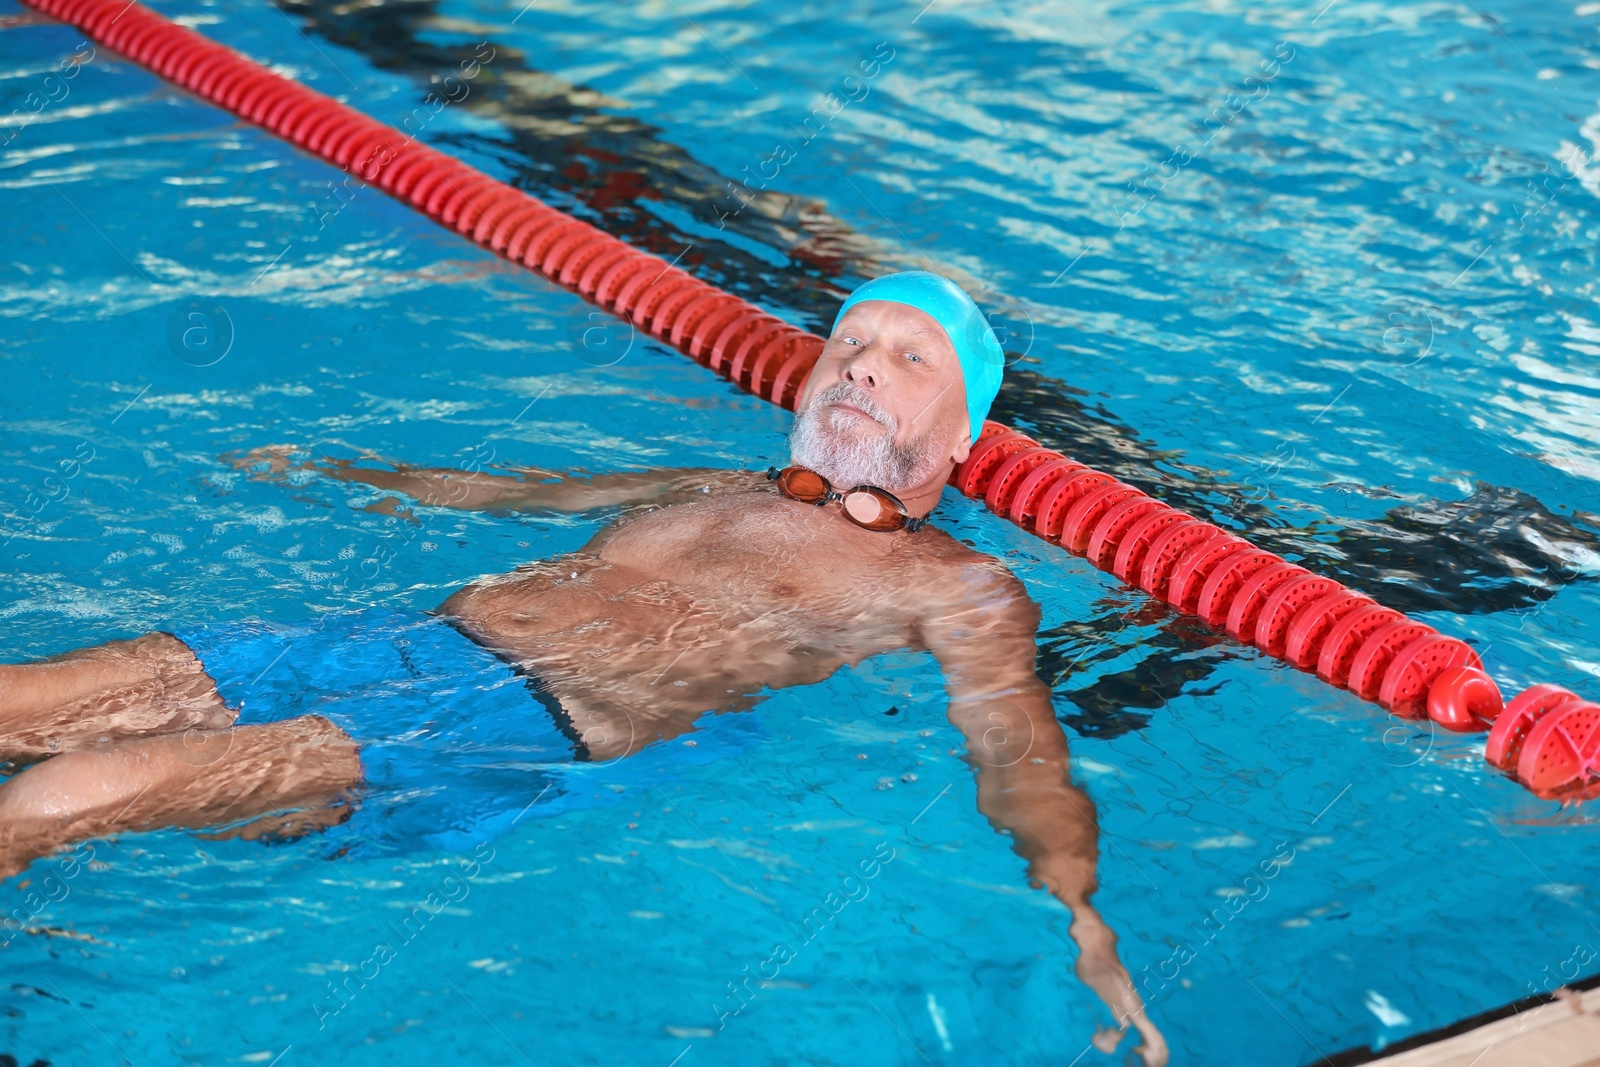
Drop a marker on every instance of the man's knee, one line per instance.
(147, 651)
(155, 670)
(182, 676)
(323, 751)
(316, 730)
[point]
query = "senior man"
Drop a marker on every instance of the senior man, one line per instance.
(713, 586)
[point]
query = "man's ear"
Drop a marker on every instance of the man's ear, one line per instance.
(963, 447)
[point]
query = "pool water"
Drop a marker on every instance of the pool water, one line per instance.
(1324, 273)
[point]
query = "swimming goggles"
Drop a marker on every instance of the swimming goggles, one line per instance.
(867, 506)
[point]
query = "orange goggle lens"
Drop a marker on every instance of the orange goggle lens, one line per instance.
(873, 509)
(806, 486)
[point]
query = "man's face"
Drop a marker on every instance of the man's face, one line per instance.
(886, 404)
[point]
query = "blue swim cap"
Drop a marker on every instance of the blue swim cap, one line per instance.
(978, 349)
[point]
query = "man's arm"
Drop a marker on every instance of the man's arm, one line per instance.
(518, 489)
(984, 639)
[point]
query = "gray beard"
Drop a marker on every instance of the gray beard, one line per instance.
(847, 453)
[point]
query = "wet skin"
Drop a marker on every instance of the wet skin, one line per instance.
(709, 589)
(700, 602)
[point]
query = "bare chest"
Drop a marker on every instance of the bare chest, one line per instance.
(761, 549)
(745, 576)
(672, 611)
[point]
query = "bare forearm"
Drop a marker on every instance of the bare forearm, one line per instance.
(510, 489)
(1053, 826)
(534, 489)
(442, 487)
(1052, 823)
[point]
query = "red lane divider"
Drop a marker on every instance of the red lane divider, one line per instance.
(1256, 596)
(1549, 737)
(735, 338)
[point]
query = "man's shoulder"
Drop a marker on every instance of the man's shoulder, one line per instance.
(954, 569)
(961, 592)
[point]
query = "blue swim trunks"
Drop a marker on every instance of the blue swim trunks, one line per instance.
(456, 745)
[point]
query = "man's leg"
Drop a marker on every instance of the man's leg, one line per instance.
(151, 684)
(195, 779)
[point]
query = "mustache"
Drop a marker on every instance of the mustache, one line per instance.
(855, 395)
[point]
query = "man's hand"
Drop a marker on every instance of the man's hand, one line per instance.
(1100, 970)
(270, 463)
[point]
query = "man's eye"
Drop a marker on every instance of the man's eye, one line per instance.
(914, 357)
(851, 341)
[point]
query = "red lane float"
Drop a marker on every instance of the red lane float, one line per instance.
(1256, 596)
(1549, 737)
(733, 337)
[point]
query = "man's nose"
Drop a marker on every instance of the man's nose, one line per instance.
(863, 369)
